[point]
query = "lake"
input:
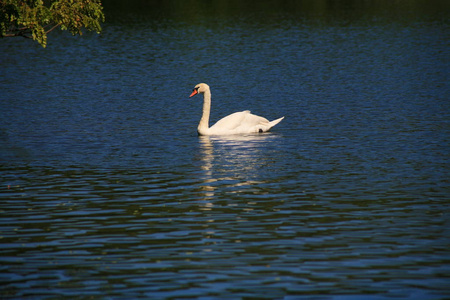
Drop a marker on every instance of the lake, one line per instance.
(107, 191)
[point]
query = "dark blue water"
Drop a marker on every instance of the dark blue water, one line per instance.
(106, 191)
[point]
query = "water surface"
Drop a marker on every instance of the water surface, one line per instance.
(107, 191)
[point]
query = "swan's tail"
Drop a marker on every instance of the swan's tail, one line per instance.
(268, 125)
(275, 122)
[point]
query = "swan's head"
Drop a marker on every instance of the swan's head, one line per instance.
(199, 88)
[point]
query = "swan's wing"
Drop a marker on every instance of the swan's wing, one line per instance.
(231, 122)
(250, 121)
(241, 122)
(253, 124)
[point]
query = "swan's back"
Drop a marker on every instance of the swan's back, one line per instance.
(242, 122)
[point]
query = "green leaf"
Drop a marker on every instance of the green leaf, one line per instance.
(34, 19)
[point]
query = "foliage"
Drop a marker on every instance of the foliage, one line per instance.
(36, 18)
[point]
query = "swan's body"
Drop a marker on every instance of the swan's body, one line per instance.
(242, 122)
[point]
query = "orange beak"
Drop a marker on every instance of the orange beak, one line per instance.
(194, 92)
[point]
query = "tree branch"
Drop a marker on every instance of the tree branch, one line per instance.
(53, 28)
(21, 33)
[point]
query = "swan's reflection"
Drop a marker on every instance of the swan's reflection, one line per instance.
(233, 162)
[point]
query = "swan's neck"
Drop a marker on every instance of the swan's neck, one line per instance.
(204, 121)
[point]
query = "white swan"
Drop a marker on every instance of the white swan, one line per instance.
(238, 123)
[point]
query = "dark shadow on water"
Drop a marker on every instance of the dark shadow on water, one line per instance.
(198, 11)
